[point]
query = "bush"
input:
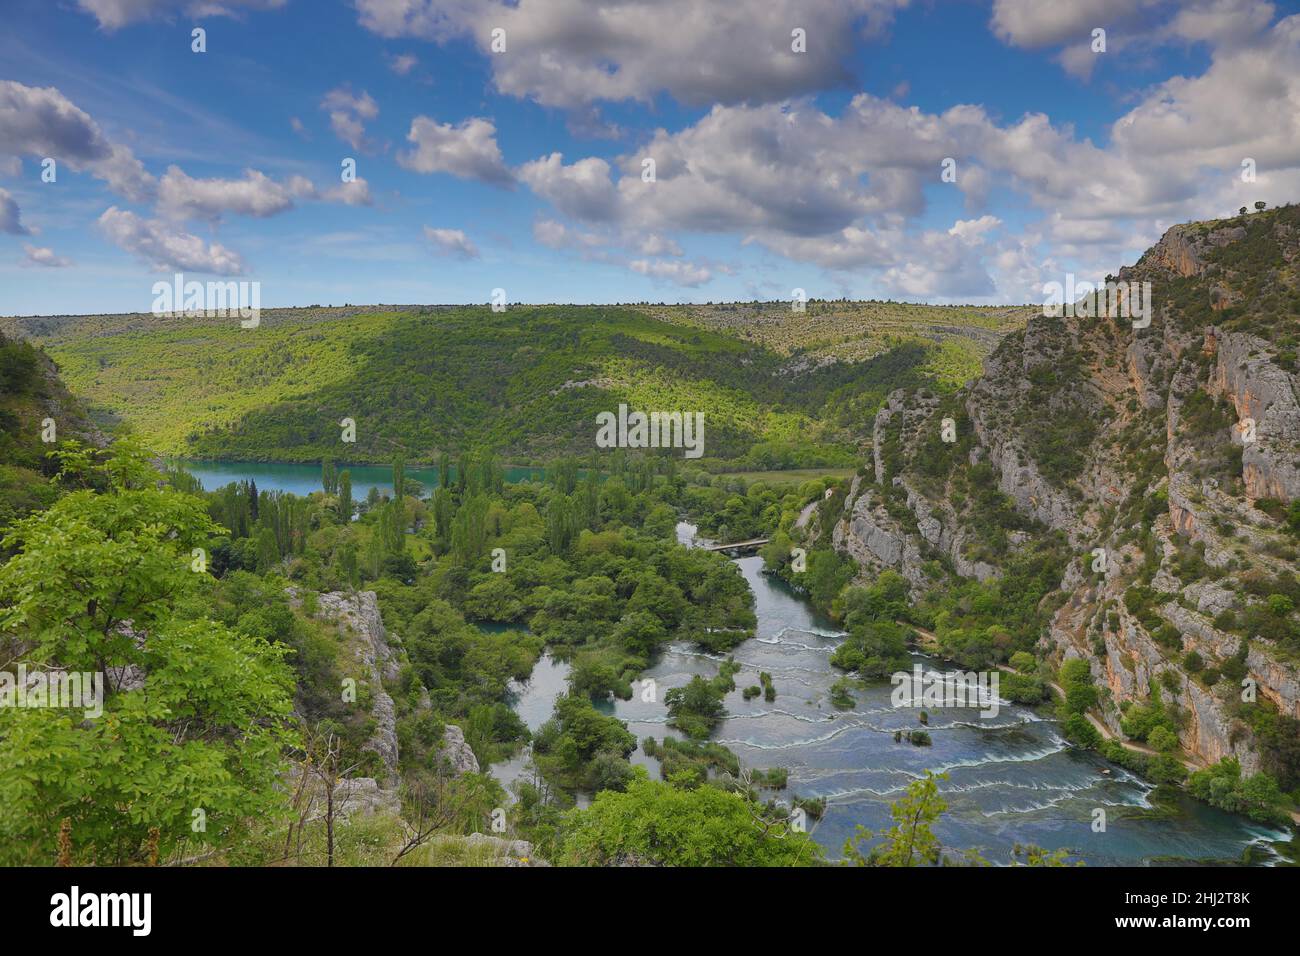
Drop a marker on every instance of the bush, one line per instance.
(1163, 739)
(1023, 661)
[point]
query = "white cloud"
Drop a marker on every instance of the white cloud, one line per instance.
(582, 190)
(11, 216)
(672, 270)
(573, 52)
(43, 256)
(256, 195)
(355, 193)
(164, 246)
(1040, 23)
(468, 150)
(114, 14)
(656, 245)
(42, 122)
(973, 230)
(451, 242)
(402, 64)
(840, 190)
(1131, 26)
(348, 115)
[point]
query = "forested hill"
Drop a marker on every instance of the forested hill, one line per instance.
(527, 382)
(32, 401)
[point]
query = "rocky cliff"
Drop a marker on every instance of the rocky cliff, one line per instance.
(357, 615)
(1161, 460)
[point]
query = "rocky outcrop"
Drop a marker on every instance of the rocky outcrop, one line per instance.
(1145, 450)
(1266, 395)
(460, 758)
(505, 852)
(363, 796)
(359, 613)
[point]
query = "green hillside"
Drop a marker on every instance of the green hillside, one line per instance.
(31, 394)
(527, 382)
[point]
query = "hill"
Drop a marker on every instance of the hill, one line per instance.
(527, 382)
(31, 395)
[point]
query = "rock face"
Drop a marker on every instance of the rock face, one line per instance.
(458, 753)
(1262, 393)
(362, 796)
(1125, 438)
(358, 615)
(359, 612)
(506, 852)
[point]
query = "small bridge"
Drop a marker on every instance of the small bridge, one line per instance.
(752, 545)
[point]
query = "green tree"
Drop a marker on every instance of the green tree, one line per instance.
(194, 712)
(911, 840)
(345, 495)
(655, 823)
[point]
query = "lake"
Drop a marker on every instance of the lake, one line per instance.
(303, 479)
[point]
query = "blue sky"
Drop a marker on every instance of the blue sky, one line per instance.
(521, 169)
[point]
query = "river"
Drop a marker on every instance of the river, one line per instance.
(1011, 779)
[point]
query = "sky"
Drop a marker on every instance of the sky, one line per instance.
(433, 151)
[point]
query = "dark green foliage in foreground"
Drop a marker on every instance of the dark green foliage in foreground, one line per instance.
(655, 823)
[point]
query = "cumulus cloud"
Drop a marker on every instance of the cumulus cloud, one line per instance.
(840, 190)
(164, 246)
(672, 270)
(468, 150)
(42, 122)
(451, 242)
(256, 195)
(1130, 25)
(43, 256)
(11, 216)
(403, 63)
(349, 114)
(583, 190)
(355, 193)
(973, 230)
(556, 235)
(573, 52)
(115, 14)
(656, 245)
(1040, 23)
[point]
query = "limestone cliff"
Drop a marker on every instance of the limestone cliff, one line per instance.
(1163, 460)
(357, 616)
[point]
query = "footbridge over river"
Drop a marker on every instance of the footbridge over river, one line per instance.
(737, 548)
